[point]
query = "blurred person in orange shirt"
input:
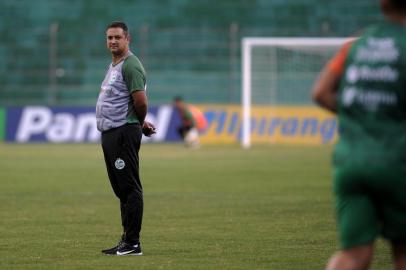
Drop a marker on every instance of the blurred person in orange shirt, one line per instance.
(191, 122)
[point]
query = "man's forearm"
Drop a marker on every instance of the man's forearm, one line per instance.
(140, 102)
(141, 111)
(325, 90)
(328, 102)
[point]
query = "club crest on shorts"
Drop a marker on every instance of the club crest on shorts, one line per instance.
(120, 164)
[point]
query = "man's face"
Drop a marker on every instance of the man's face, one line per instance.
(117, 41)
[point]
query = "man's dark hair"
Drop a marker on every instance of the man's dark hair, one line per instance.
(401, 4)
(118, 24)
(177, 98)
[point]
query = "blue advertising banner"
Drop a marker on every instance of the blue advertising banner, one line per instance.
(2, 123)
(269, 125)
(76, 124)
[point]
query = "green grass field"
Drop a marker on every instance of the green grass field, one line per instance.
(218, 207)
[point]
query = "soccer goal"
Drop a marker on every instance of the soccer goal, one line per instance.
(280, 71)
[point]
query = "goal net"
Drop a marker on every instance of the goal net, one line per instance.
(281, 71)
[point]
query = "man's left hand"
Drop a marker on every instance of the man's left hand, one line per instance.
(148, 129)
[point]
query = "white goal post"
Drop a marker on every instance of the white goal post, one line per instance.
(311, 46)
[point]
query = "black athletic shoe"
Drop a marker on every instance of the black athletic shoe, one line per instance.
(126, 249)
(113, 250)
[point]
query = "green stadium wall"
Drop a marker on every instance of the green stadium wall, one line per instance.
(189, 48)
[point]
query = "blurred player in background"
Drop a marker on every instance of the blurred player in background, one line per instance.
(121, 110)
(365, 84)
(188, 127)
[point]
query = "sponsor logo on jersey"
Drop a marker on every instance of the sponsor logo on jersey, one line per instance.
(384, 74)
(378, 50)
(114, 75)
(369, 99)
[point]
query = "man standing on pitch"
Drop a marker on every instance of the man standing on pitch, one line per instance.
(365, 84)
(120, 112)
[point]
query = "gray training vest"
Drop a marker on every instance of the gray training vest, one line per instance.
(114, 102)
